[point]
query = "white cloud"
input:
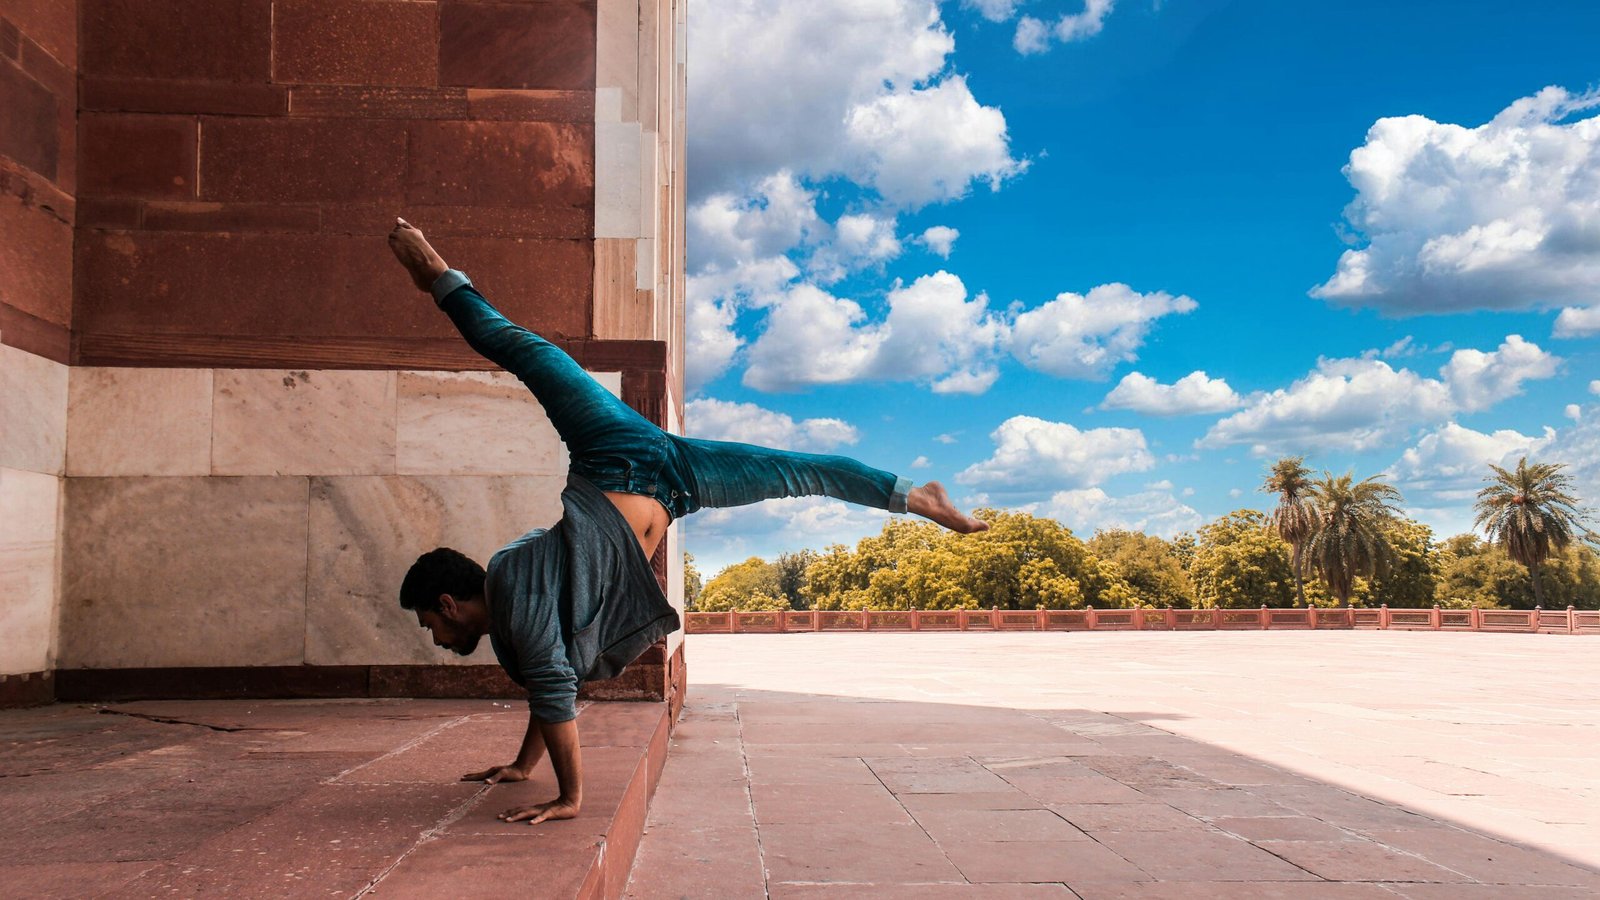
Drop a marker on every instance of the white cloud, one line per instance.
(859, 240)
(1086, 335)
(1594, 387)
(1360, 404)
(721, 537)
(747, 423)
(1191, 394)
(1162, 485)
(1573, 411)
(727, 229)
(940, 239)
(1092, 509)
(1451, 461)
(994, 10)
(1577, 322)
(951, 439)
(920, 462)
(714, 300)
(1479, 380)
(1034, 454)
(1502, 216)
(932, 334)
(1034, 35)
(1235, 493)
(879, 107)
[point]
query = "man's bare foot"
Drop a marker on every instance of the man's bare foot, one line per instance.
(414, 252)
(931, 502)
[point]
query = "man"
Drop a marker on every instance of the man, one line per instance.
(579, 601)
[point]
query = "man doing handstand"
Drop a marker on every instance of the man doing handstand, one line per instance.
(579, 601)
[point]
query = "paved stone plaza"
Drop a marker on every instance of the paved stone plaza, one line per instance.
(1424, 765)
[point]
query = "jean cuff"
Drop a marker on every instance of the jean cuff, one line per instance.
(897, 500)
(446, 284)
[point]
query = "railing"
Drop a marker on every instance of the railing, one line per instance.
(1531, 621)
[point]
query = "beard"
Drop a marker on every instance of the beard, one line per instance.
(466, 647)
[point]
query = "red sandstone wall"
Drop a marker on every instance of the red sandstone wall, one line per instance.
(242, 161)
(38, 164)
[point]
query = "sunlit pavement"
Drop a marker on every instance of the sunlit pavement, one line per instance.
(1238, 765)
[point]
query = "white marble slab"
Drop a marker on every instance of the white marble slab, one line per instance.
(299, 422)
(366, 532)
(473, 423)
(30, 504)
(187, 571)
(33, 412)
(123, 421)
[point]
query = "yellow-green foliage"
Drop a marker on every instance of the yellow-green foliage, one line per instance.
(1240, 563)
(1021, 562)
(748, 586)
(1149, 566)
(1474, 573)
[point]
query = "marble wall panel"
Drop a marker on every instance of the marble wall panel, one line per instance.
(198, 571)
(366, 532)
(30, 505)
(33, 412)
(298, 422)
(124, 421)
(477, 423)
(617, 212)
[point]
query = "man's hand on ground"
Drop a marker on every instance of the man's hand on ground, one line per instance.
(541, 812)
(497, 774)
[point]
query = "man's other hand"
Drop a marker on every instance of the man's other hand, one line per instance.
(497, 774)
(541, 812)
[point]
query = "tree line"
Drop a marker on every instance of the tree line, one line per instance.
(1329, 541)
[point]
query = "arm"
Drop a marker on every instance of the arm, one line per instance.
(566, 755)
(527, 757)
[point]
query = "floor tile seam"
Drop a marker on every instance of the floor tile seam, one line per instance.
(750, 806)
(438, 729)
(427, 836)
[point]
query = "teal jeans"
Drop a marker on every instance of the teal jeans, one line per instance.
(617, 449)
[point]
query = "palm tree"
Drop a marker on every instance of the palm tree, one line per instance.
(1293, 517)
(1348, 538)
(1531, 513)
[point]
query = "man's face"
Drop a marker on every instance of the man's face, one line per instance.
(447, 633)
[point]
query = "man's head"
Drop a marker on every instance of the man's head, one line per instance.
(445, 589)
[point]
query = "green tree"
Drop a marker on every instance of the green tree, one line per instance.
(1149, 566)
(1412, 578)
(1350, 540)
(792, 576)
(747, 586)
(1478, 574)
(1530, 513)
(693, 582)
(1292, 518)
(1240, 562)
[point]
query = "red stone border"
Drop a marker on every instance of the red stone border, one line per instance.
(1542, 621)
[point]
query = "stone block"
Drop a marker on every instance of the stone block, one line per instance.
(501, 164)
(33, 412)
(617, 52)
(619, 179)
(477, 423)
(325, 422)
(53, 24)
(124, 421)
(549, 45)
(531, 106)
(355, 42)
(445, 222)
(156, 95)
(365, 534)
(378, 102)
(184, 572)
(139, 155)
(194, 39)
(287, 159)
(28, 132)
(36, 256)
(29, 555)
(260, 218)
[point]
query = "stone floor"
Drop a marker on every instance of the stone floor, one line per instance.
(1431, 766)
(325, 798)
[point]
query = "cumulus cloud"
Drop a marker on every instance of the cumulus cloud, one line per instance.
(1155, 512)
(933, 334)
(1502, 216)
(859, 240)
(726, 229)
(1034, 454)
(1451, 461)
(940, 239)
(1035, 35)
(920, 462)
(1191, 394)
(994, 10)
(721, 537)
(1573, 411)
(1086, 335)
(879, 107)
(1360, 404)
(1594, 387)
(747, 423)
(1577, 322)
(951, 439)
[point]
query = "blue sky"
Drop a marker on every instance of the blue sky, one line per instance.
(1106, 261)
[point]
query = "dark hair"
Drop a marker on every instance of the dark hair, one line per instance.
(440, 571)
